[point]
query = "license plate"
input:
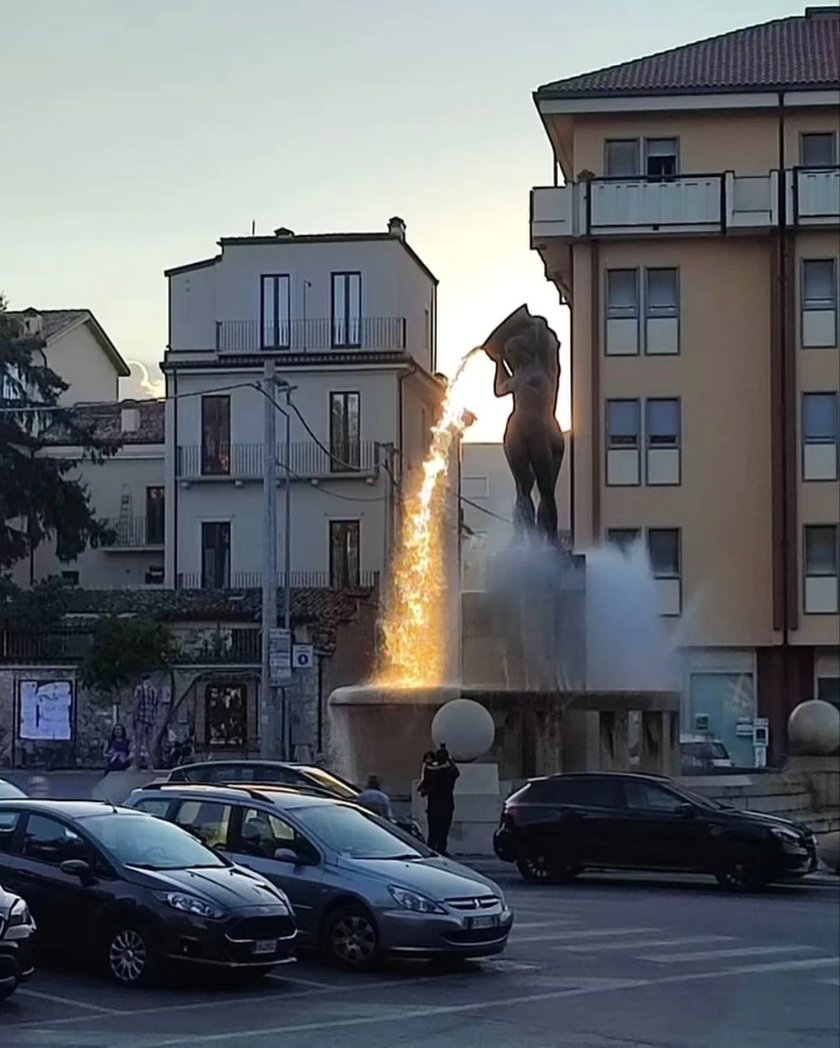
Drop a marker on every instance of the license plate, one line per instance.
(484, 922)
(263, 946)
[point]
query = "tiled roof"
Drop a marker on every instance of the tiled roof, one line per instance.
(104, 421)
(800, 52)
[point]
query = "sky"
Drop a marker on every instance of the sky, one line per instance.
(135, 133)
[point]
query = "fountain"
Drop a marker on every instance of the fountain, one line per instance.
(556, 649)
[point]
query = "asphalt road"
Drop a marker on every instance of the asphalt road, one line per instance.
(606, 962)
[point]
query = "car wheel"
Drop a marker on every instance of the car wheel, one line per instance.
(130, 958)
(539, 868)
(351, 939)
(742, 870)
(7, 988)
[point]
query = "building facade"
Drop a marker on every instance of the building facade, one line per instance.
(695, 237)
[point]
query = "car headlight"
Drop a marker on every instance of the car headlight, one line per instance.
(19, 914)
(190, 904)
(410, 900)
(784, 834)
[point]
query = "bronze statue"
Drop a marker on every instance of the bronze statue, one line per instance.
(526, 353)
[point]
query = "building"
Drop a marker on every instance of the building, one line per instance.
(350, 321)
(695, 237)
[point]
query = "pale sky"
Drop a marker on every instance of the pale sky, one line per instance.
(135, 133)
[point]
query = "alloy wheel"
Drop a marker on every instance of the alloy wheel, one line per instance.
(741, 872)
(353, 940)
(128, 957)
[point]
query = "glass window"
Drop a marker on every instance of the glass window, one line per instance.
(345, 432)
(819, 282)
(215, 555)
(8, 824)
(624, 538)
(661, 292)
(661, 157)
(664, 552)
(354, 833)
(622, 158)
(154, 516)
(344, 554)
(819, 418)
(644, 796)
(206, 820)
(583, 792)
(263, 834)
(819, 149)
(821, 549)
(623, 423)
(157, 806)
(622, 293)
(663, 422)
(141, 840)
(327, 781)
(215, 435)
(275, 297)
(48, 840)
(346, 310)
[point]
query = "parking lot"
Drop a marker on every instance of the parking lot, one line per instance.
(608, 961)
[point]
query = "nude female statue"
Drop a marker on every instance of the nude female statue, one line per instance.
(526, 353)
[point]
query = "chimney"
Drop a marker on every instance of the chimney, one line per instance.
(33, 322)
(129, 418)
(396, 228)
(283, 232)
(822, 12)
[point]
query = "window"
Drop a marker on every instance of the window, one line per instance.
(215, 555)
(622, 158)
(622, 306)
(263, 834)
(357, 835)
(275, 297)
(154, 516)
(48, 840)
(665, 561)
(346, 310)
(157, 806)
(662, 311)
(344, 554)
(206, 820)
(215, 435)
(345, 442)
(644, 796)
(818, 149)
(819, 436)
(624, 538)
(584, 792)
(661, 158)
(819, 302)
(136, 840)
(225, 715)
(623, 439)
(663, 441)
(821, 569)
(8, 826)
(70, 577)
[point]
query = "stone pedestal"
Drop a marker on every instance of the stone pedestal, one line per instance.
(477, 805)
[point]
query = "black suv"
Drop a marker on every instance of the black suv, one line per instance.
(17, 930)
(553, 828)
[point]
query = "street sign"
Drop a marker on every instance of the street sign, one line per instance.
(303, 656)
(280, 656)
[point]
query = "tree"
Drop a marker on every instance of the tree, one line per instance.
(38, 498)
(124, 648)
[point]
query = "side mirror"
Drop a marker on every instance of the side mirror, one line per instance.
(78, 868)
(686, 811)
(287, 855)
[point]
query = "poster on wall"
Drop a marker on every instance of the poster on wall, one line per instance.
(46, 710)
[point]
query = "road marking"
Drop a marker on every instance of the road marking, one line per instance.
(715, 955)
(404, 1015)
(72, 1002)
(596, 934)
(544, 924)
(830, 982)
(644, 944)
(279, 977)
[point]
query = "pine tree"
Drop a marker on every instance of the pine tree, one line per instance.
(39, 497)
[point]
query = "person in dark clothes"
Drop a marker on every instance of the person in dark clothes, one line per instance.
(118, 750)
(438, 787)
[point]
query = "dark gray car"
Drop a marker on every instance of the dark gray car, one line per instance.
(361, 888)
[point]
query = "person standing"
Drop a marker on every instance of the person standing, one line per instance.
(438, 787)
(375, 799)
(145, 717)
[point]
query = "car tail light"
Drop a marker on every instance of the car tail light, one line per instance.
(509, 815)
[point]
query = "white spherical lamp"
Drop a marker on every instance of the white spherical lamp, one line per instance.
(814, 728)
(465, 727)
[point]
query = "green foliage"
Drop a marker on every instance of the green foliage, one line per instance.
(36, 609)
(38, 500)
(123, 649)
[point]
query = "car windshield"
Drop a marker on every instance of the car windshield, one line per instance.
(150, 843)
(330, 782)
(9, 792)
(357, 835)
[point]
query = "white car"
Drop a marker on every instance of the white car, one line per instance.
(9, 792)
(702, 751)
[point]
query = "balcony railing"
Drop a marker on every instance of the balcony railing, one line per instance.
(302, 336)
(814, 196)
(132, 533)
(215, 646)
(245, 461)
(241, 580)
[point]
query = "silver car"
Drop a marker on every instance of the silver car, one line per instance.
(361, 888)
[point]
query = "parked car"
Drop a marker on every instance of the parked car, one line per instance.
(701, 752)
(17, 930)
(134, 892)
(308, 777)
(8, 790)
(361, 888)
(554, 827)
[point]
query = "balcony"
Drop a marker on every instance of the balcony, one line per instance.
(244, 580)
(135, 533)
(311, 336)
(309, 461)
(814, 196)
(222, 646)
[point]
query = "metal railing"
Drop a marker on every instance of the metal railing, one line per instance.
(235, 645)
(135, 533)
(314, 335)
(245, 461)
(239, 580)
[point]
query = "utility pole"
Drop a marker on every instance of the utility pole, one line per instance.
(270, 730)
(287, 582)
